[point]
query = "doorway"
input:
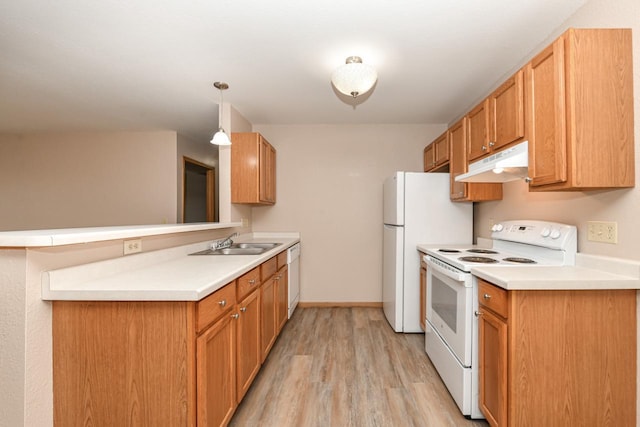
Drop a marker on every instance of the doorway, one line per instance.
(198, 204)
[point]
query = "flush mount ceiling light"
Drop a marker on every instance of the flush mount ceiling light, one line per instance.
(220, 137)
(354, 78)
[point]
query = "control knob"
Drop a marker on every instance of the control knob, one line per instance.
(499, 227)
(545, 232)
(555, 234)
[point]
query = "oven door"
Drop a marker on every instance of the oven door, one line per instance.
(450, 307)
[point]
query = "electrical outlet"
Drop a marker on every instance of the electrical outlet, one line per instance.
(132, 246)
(245, 222)
(602, 231)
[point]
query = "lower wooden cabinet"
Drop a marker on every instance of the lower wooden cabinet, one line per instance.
(557, 357)
(492, 338)
(268, 314)
(274, 302)
(129, 363)
(216, 372)
(164, 363)
(282, 302)
(249, 354)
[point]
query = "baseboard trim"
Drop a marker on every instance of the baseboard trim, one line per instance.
(372, 304)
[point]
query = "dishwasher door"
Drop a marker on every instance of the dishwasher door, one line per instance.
(293, 260)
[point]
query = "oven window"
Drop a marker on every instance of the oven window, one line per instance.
(444, 301)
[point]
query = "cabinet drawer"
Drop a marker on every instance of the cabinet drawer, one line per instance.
(216, 304)
(269, 268)
(248, 282)
(492, 297)
(282, 259)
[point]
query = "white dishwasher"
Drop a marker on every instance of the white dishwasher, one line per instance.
(293, 260)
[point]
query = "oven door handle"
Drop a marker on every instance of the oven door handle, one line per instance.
(457, 276)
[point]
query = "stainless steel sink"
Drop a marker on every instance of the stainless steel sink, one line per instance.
(255, 245)
(240, 249)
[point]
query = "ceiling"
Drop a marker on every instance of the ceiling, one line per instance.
(79, 65)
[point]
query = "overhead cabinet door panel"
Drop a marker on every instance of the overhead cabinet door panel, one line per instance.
(547, 132)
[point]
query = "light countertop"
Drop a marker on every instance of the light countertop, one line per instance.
(165, 275)
(590, 272)
(69, 236)
(554, 278)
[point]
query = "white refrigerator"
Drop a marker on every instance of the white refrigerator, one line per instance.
(417, 210)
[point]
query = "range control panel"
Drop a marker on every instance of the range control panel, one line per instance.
(551, 235)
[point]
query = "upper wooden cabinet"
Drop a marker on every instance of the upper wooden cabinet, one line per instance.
(478, 122)
(436, 154)
(463, 191)
(253, 169)
(506, 108)
(579, 102)
(429, 157)
(498, 120)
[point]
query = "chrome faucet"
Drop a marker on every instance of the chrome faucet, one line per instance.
(223, 243)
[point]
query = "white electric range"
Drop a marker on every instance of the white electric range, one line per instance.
(451, 338)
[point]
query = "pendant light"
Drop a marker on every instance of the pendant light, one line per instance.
(220, 137)
(353, 77)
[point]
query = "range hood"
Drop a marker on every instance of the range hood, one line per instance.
(504, 166)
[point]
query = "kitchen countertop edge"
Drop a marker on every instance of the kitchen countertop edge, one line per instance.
(182, 278)
(70, 236)
(591, 272)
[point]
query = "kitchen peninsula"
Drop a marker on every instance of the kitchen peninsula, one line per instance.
(74, 264)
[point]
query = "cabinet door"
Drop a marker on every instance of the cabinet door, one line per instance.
(249, 353)
(282, 285)
(507, 112)
(216, 373)
(492, 372)
(545, 86)
(478, 131)
(267, 172)
(429, 157)
(441, 145)
(423, 294)
(268, 315)
(458, 162)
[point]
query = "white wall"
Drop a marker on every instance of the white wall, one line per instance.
(329, 187)
(622, 206)
(87, 179)
(12, 332)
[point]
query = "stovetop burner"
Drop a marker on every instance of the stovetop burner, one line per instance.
(520, 260)
(449, 251)
(480, 259)
(482, 251)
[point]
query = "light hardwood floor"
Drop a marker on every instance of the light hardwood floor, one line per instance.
(346, 367)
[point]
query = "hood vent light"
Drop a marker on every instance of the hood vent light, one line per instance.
(504, 166)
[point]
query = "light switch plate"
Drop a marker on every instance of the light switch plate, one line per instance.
(602, 231)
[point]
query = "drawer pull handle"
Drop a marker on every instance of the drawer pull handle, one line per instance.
(252, 281)
(478, 313)
(486, 296)
(235, 315)
(243, 309)
(222, 303)
(484, 148)
(491, 144)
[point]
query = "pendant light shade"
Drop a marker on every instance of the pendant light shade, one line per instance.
(354, 78)
(220, 137)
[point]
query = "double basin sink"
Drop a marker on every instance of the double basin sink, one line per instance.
(240, 249)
